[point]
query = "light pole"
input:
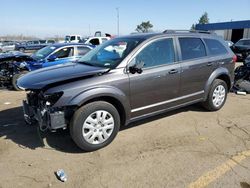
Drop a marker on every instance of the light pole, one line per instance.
(118, 21)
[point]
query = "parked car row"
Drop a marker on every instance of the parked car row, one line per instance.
(89, 40)
(126, 79)
(33, 45)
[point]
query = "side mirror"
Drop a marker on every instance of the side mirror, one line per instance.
(137, 68)
(52, 58)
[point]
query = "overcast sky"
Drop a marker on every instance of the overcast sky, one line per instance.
(47, 18)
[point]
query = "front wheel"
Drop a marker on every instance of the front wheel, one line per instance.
(217, 95)
(15, 78)
(95, 125)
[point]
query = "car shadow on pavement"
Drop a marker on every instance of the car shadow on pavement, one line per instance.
(13, 127)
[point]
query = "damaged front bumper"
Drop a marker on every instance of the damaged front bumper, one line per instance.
(47, 117)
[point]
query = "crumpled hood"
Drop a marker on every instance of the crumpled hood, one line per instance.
(41, 78)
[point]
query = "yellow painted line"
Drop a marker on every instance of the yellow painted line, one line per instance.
(219, 171)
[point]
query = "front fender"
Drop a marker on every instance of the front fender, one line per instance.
(104, 91)
(221, 71)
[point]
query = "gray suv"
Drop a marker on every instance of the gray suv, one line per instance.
(127, 79)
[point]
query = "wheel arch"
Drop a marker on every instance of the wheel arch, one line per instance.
(221, 73)
(111, 95)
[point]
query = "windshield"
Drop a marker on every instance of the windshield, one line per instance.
(67, 38)
(43, 53)
(111, 53)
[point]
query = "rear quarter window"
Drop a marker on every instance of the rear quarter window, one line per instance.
(215, 47)
(192, 48)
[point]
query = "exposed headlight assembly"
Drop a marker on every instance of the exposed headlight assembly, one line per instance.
(51, 99)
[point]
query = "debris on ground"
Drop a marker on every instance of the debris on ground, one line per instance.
(61, 175)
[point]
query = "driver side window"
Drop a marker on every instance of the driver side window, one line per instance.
(65, 52)
(157, 53)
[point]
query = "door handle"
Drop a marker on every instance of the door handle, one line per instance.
(210, 64)
(173, 71)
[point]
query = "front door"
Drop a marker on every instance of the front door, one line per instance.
(63, 55)
(153, 89)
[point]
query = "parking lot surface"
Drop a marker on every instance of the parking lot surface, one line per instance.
(189, 147)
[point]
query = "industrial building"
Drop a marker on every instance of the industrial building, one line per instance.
(232, 31)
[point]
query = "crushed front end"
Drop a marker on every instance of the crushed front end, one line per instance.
(39, 108)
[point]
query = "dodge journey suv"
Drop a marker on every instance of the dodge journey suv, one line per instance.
(126, 79)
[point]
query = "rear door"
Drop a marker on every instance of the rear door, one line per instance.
(153, 89)
(81, 51)
(196, 67)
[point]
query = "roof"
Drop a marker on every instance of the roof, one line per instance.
(224, 25)
(58, 45)
(145, 36)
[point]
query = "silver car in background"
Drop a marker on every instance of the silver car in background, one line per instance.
(7, 46)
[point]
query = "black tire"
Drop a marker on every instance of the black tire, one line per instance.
(15, 78)
(208, 104)
(22, 49)
(79, 117)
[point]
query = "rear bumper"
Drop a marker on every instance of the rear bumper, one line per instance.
(47, 118)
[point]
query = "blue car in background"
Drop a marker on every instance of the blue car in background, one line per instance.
(15, 64)
(57, 54)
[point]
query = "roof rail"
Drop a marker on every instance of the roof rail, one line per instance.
(187, 31)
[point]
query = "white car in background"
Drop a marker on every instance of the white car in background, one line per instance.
(73, 38)
(95, 40)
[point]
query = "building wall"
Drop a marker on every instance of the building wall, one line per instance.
(246, 33)
(228, 34)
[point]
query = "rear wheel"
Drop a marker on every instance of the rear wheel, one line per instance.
(217, 95)
(22, 49)
(15, 78)
(95, 125)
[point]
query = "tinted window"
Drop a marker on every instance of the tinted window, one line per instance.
(50, 41)
(82, 50)
(157, 53)
(215, 47)
(35, 42)
(246, 42)
(42, 41)
(65, 52)
(104, 39)
(72, 38)
(192, 48)
(243, 42)
(94, 41)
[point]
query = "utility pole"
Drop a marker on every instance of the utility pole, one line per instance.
(118, 21)
(89, 31)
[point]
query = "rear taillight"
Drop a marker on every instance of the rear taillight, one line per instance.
(234, 58)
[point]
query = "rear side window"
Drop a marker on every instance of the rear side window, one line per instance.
(192, 48)
(215, 47)
(82, 50)
(94, 41)
(72, 38)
